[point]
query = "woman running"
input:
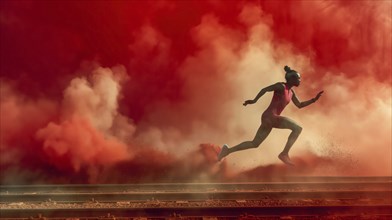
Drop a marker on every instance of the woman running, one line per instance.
(271, 118)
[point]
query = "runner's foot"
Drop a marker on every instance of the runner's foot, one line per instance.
(224, 152)
(285, 158)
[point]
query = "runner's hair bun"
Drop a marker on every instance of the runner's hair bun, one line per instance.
(287, 69)
(290, 73)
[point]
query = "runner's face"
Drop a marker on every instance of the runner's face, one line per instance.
(295, 80)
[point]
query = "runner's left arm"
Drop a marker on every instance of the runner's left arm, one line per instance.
(300, 104)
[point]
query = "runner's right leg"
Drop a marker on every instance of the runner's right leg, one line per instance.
(286, 123)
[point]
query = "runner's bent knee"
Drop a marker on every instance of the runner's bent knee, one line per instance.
(297, 129)
(256, 142)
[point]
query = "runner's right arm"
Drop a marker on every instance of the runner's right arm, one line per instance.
(274, 87)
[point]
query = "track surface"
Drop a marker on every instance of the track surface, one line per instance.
(313, 197)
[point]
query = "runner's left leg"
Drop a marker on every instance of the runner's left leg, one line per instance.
(260, 136)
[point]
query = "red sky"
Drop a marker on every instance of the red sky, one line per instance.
(162, 77)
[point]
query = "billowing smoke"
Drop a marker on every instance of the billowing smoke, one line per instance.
(170, 83)
(86, 136)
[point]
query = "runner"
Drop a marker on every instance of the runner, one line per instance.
(271, 118)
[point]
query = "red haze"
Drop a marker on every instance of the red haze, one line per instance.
(179, 73)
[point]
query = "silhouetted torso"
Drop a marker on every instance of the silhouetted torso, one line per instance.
(279, 101)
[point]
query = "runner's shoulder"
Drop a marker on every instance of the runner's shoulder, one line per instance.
(279, 86)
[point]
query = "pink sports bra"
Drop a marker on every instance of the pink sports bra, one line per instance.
(279, 101)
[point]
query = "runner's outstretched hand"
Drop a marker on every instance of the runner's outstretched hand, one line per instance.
(319, 95)
(247, 102)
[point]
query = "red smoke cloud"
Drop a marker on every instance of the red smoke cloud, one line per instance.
(179, 73)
